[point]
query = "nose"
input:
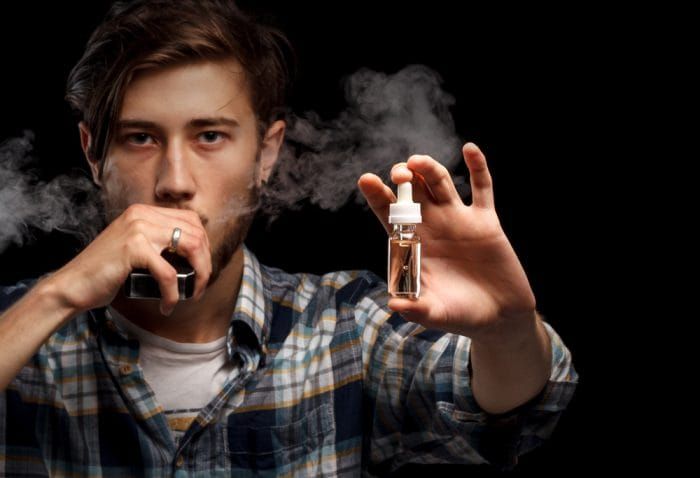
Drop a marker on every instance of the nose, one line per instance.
(174, 182)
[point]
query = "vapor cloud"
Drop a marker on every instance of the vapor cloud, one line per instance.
(387, 119)
(66, 203)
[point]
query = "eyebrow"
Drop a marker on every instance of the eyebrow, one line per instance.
(193, 123)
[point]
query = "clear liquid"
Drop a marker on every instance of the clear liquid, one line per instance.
(403, 276)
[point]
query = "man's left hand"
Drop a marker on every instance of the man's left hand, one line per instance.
(472, 282)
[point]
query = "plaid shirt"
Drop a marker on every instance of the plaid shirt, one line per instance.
(331, 383)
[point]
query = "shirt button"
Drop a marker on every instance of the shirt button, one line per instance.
(180, 461)
(111, 326)
(125, 369)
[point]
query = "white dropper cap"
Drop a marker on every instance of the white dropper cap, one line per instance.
(404, 210)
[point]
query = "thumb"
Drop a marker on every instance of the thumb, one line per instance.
(413, 310)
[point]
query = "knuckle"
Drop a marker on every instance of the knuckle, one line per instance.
(135, 241)
(194, 216)
(134, 245)
(201, 240)
(195, 243)
(186, 248)
(191, 245)
(138, 225)
(443, 171)
(138, 239)
(133, 212)
(415, 157)
(485, 181)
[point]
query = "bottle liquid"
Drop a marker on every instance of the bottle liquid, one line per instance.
(403, 272)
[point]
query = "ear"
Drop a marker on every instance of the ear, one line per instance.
(85, 143)
(270, 148)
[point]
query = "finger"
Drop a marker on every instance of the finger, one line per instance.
(186, 215)
(164, 273)
(188, 221)
(379, 196)
(479, 176)
(191, 246)
(400, 173)
(428, 310)
(147, 211)
(194, 248)
(436, 177)
(414, 310)
(409, 306)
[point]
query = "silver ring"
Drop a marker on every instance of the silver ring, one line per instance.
(174, 240)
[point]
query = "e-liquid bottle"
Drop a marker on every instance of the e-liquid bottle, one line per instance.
(403, 273)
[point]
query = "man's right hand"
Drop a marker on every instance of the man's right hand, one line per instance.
(134, 240)
(93, 278)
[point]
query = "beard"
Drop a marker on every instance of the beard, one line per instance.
(234, 234)
(234, 231)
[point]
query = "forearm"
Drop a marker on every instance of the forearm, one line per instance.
(507, 373)
(26, 325)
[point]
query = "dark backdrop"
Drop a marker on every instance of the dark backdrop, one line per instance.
(532, 88)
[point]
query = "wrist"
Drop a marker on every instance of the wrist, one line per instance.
(510, 370)
(51, 288)
(511, 334)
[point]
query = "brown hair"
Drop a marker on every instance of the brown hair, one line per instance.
(145, 34)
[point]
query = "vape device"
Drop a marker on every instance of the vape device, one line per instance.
(142, 285)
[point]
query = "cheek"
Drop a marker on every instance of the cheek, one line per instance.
(126, 186)
(232, 183)
(234, 198)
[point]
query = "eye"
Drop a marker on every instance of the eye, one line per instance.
(138, 138)
(211, 136)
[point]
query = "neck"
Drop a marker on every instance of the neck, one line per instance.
(191, 322)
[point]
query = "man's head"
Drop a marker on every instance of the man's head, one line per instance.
(181, 104)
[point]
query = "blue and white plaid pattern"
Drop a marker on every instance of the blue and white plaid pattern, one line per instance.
(332, 383)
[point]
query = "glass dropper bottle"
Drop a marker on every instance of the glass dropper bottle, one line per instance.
(403, 271)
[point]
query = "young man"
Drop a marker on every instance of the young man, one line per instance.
(180, 118)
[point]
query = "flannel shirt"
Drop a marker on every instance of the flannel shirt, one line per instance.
(331, 382)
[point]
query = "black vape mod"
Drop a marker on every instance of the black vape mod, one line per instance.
(142, 285)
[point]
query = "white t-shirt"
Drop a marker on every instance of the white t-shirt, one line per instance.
(185, 377)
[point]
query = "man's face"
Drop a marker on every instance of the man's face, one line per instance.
(186, 138)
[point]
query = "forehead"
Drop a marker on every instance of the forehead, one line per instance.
(186, 90)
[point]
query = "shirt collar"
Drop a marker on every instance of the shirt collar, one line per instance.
(253, 310)
(250, 323)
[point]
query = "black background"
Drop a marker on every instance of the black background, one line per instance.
(540, 90)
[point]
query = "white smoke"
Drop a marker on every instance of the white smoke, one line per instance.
(65, 203)
(388, 118)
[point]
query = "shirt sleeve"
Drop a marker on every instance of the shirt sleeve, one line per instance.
(419, 399)
(12, 293)
(20, 454)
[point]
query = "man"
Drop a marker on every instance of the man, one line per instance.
(180, 118)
